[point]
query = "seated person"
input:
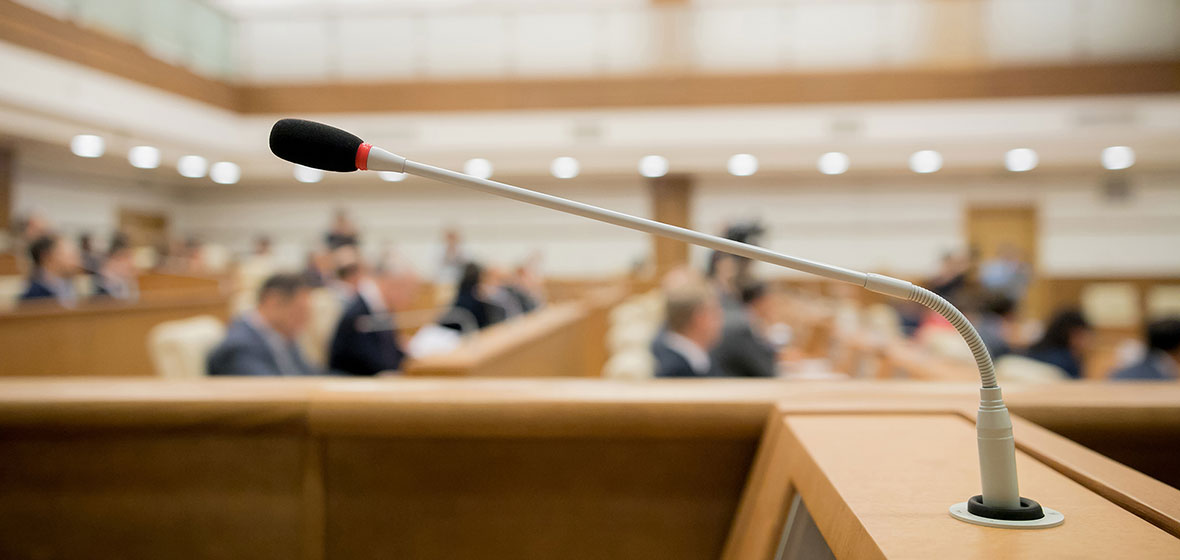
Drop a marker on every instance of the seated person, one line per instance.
(997, 323)
(55, 263)
(692, 315)
(744, 350)
(470, 310)
(366, 341)
(116, 277)
(1065, 343)
(1163, 354)
(262, 342)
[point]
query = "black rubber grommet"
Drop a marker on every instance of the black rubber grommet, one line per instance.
(1029, 510)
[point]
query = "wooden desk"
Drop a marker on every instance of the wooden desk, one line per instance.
(102, 338)
(879, 484)
(452, 468)
(563, 339)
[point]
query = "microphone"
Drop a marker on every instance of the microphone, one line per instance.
(320, 146)
(999, 505)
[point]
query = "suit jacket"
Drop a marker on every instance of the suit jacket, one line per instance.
(37, 290)
(742, 353)
(670, 363)
(1153, 367)
(360, 349)
(245, 351)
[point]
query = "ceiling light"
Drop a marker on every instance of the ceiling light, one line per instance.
(1020, 159)
(391, 176)
(192, 167)
(1116, 157)
(742, 165)
(87, 145)
(305, 174)
(833, 163)
(479, 168)
(225, 173)
(565, 167)
(926, 161)
(144, 157)
(653, 166)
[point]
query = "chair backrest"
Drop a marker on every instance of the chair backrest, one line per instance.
(11, 287)
(1163, 301)
(1111, 304)
(636, 363)
(179, 348)
(326, 309)
(1019, 369)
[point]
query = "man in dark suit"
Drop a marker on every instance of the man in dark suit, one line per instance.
(366, 341)
(743, 350)
(692, 324)
(1163, 354)
(262, 342)
(55, 263)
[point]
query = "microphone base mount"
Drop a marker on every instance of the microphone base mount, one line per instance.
(1030, 515)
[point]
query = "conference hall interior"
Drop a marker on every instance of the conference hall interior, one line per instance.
(740, 279)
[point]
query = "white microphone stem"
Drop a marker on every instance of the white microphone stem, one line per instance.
(997, 450)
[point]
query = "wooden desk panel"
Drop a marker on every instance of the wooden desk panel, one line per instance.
(879, 485)
(97, 339)
(549, 342)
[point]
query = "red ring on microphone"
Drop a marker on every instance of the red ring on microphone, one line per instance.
(362, 156)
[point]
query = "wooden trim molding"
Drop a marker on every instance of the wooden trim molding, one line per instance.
(34, 30)
(31, 29)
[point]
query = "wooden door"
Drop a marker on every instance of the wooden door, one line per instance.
(991, 228)
(144, 228)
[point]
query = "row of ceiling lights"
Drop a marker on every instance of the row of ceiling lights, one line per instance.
(565, 167)
(148, 157)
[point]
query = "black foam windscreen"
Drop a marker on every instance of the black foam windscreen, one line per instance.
(314, 144)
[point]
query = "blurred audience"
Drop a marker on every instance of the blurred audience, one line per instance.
(692, 325)
(997, 324)
(90, 257)
(1162, 361)
(343, 233)
(1006, 274)
(366, 340)
(526, 288)
(1065, 343)
(55, 263)
(470, 308)
(454, 258)
(116, 277)
(262, 342)
(744, 349)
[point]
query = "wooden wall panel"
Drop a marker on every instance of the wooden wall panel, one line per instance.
(99, 339)
(534, 498)
(671, 203)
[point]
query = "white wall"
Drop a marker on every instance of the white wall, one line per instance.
(891, 224)
(409, 218)
(81, 203)
(902, 225)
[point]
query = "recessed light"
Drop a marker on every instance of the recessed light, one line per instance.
(144, 157)
(1118, 157)
(192, 167)
(479, 168)
(653, 166)
(565, 167)
(833, 163)
(742, 165)
(305, 174)
(1020, 159)
(925, 161)
(87, 145)
(225, 173)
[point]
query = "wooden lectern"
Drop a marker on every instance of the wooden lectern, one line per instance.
(870, 484)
